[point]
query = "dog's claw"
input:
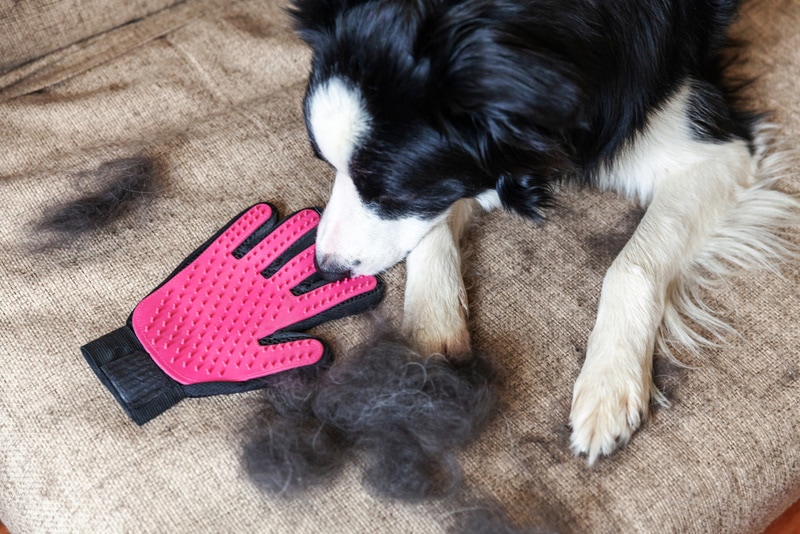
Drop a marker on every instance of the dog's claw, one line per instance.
(607, 407)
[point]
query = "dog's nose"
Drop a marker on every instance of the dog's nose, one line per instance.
(331, 268)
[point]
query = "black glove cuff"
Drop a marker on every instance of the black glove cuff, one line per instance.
(130, 374)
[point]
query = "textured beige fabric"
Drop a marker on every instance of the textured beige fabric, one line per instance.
(30, 29)
(217, 99)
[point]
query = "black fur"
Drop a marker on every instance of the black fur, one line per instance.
(111, 191)
(470, 95)
(408, 416)
(289, 449)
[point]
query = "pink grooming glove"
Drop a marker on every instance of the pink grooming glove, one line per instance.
(229, 317)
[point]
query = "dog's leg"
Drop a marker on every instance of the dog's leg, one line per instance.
(614, 388)
(701, 192)
(436, 311)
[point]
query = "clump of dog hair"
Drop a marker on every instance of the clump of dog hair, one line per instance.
(111, 191)
(408, 416)
(290, 449)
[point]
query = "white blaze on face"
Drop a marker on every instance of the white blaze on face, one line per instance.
(350, 234)
(338, 120)
(355, 238)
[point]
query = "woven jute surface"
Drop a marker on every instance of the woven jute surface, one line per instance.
(213, 90)
(29, 30)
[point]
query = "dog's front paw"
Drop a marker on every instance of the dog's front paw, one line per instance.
(437, 325)
(435, 310)
(608, 405)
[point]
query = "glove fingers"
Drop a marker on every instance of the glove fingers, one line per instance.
(241, 234)
(281, 239)
(286, 265)
(277, 353)
(298, 268)
(314, 281)
(254, 227)
(260, 376)
(315, 296)
(335, 300)
(264, 357)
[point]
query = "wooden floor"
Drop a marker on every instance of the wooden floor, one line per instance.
(788, 523)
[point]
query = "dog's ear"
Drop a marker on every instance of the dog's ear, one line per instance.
(505, 82)
(314, 20)
(516, 96)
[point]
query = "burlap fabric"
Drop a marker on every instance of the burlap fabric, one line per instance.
(29, 30)
(213, 90)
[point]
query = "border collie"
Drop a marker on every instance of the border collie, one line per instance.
(430, 109)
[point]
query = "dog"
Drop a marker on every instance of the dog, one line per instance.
(430, 110)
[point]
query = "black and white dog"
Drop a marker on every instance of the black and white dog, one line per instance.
(428, 109)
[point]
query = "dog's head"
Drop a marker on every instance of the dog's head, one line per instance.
(416, 104)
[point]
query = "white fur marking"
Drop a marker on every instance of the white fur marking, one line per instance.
(663, 148)
(338, 120)
(489, 200)
(360, 240)
(711, 212)
(435, 312)
(751, 236)
(350, 233)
